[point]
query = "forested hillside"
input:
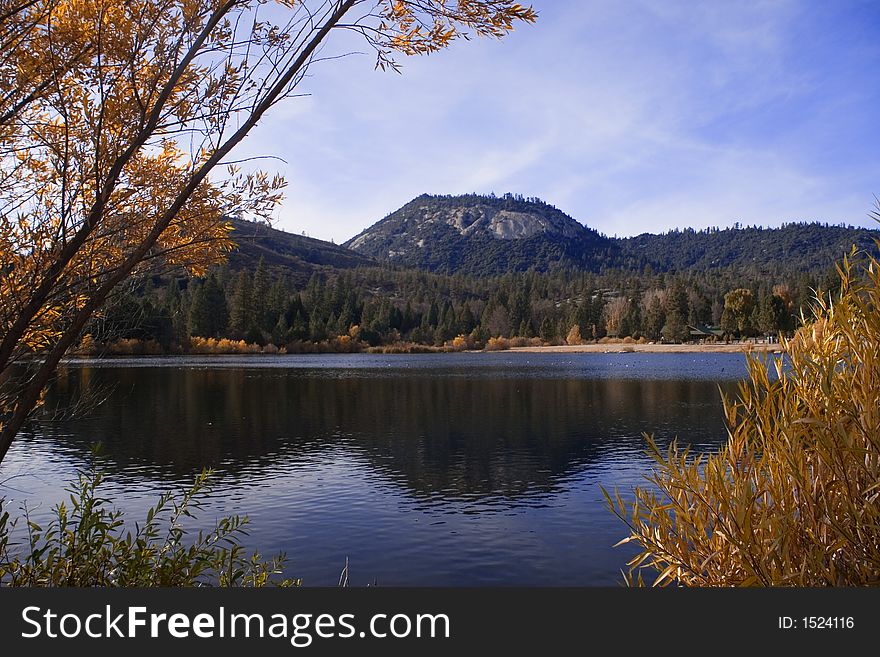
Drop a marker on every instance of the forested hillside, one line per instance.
(805, 247)
(299, 255)
(489, 235)
(520, 269)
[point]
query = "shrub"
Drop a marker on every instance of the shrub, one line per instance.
(462, 343)
(87, 544)
(497, 344)
(199, 345)
(793, 498)
(404, 348)
(344, 344)
(87, 346)
(135, 347)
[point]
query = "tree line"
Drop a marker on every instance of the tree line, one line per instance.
(383, 306)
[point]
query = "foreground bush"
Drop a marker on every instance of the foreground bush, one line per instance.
(88, 544)
(793, 497)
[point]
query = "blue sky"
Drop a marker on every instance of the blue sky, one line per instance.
(631, 116)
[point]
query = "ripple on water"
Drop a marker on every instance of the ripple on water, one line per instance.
(458, 469)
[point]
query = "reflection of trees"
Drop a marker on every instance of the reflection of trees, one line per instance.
(436, 434)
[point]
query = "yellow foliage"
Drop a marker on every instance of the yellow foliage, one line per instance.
(420, 28)
(344, 344)
(87, 346)
(198, 345)
(574, 336)
(115, 121)
(497, 344)
(462, 343)
(87, 177)
(793, 497)
(113, 113)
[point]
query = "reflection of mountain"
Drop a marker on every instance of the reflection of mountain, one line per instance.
(439, 435)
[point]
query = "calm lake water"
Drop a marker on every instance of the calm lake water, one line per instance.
(438, 469)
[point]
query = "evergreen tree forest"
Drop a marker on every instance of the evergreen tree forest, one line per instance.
(383, 307)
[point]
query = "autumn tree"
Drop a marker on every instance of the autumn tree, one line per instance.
(615, 312)
(117, 121)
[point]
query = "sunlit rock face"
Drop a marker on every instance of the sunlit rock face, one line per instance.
(504, 224)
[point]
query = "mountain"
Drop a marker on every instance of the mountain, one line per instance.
(488, 235)
(296, 253)
(483, 235)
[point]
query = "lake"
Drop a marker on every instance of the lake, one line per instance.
(470, 469)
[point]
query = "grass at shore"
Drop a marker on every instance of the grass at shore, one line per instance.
(611, 347)
(346, 345)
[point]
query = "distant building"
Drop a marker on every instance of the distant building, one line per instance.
(704, 332)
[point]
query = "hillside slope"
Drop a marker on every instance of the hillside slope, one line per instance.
(296, 253)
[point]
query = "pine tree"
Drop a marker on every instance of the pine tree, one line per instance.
(548, 330)
(772, 315)
(675, 330)
(277, 303)
(280, 332)
(175, 311)
(410, 319)
(299, 327)
(433, 316)
(632, 321)
(317, 328)
(655, 319)
(262, 319)
(208, 316)
(241, 310)
(466, 320)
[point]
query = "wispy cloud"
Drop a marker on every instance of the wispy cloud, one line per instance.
(632, 116)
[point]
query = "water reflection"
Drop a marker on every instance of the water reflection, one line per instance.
(438, 434)
(441, 473)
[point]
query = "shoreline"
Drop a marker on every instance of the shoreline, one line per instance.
(591, 348)
(622, 347)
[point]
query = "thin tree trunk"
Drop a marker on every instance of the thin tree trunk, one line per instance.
(31, 395)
